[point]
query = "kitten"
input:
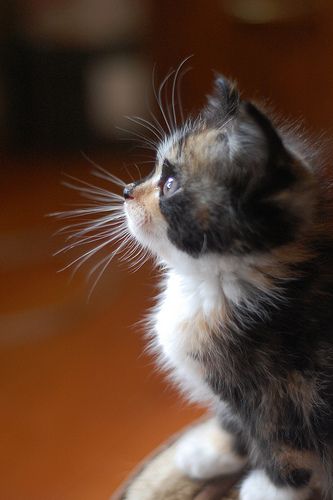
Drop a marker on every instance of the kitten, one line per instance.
(239, 216)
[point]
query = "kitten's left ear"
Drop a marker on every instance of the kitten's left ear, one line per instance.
(223, 102)
(275, 145)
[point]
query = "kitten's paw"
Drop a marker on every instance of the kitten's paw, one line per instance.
(257, 486)
(206, 452)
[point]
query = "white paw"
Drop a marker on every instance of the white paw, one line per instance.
(257, 486)
(205, 452)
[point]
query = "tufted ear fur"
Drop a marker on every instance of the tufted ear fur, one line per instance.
(222, 103)
(225, 103)
(260, 160)
(277, 153)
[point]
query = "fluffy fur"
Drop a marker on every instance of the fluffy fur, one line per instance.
(244, 319)
(238, 216)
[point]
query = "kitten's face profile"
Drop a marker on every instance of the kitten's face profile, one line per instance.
(224, 184)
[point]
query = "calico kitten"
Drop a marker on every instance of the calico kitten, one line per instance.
(240, 218)
(238, 215)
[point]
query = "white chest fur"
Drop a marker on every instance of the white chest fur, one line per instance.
(189, 311)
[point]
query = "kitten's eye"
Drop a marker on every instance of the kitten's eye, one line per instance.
(170, 186)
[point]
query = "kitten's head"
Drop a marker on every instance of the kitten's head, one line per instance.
(224, 183)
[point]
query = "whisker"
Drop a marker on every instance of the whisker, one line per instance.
(99, 230)
(158, 98)
(89, 192)
(109, 176)
(146, 161)
(80, 212)
(146, 124)
(128, 172)
(99, 224)
(178, 74)
(73, 234)
(83, 258)
(156, 121)
(132, 252)
(138, 170)
(140, 261)
(145, 141)
(113, 253)
(163, 85)
(100, 274)
(97, 189)
(114, 199)
(111, 235)
(159, 127)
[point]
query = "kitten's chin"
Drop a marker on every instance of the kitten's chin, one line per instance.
(142, 228)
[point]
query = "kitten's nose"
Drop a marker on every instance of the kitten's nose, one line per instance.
(128, 192)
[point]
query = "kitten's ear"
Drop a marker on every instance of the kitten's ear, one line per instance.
(223, 102)
(279, 172)
(275, 145)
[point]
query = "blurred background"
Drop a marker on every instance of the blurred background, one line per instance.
(80, 404)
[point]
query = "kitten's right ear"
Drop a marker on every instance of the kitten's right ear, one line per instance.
(223, 103)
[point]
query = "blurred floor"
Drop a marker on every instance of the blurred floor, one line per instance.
(80, 404)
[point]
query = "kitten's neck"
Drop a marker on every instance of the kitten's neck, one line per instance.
(222, 278)
(254, 280)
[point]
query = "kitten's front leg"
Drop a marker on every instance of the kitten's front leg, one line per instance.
(208, 451)
(287, 473)
(258, 486)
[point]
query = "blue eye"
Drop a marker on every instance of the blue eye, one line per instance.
(170, 187)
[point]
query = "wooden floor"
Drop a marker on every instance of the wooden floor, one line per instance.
(80, 404)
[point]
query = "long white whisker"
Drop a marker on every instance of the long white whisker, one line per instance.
(132, 251)
(128, 172)
(110, 234)
(181, 65)
(111, 177)
(100, 274)
(90, 192)
(144, 140)
(139, 259)
(147, 125)
(179, 99)
(108, 177)
(86, 230)
(113, 199)
(81, 212)
(87, 227)
(138, 170)
(158, 98)
(94, 188)
(160, 130)
(141, 262)
(156, 121)
(113, 253)
(83, 258)
(104, 174)
(92, 288)
(93, 223)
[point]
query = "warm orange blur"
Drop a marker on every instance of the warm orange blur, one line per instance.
(80, 404)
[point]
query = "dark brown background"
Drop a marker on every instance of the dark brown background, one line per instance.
(80, 403)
